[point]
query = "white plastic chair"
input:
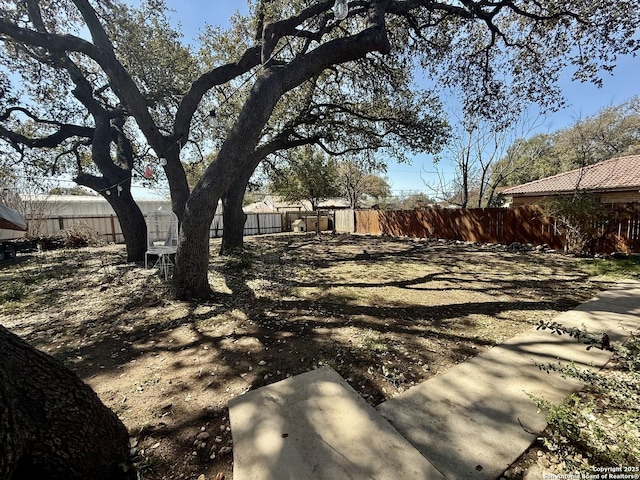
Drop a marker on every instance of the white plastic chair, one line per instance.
(162, 240)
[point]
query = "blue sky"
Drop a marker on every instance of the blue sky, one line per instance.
(582, 99)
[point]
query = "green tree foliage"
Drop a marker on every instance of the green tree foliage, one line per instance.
(61, 116)
(152, 52)
(357, 181)
(416, 201)
(525, 160)
(376, 187)
(310, 175)
(612, 132)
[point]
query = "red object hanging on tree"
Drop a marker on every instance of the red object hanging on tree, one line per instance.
(148, 173)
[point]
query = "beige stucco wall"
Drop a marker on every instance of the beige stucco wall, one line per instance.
(621, 197)
(612, 197)
(517, 201)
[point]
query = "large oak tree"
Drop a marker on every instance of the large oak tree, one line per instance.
(59, 116)
(489, 51)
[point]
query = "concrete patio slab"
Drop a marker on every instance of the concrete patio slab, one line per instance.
(473, 421)
(314, 426)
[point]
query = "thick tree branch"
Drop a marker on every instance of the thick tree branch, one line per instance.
(65, 132)
(217, 76)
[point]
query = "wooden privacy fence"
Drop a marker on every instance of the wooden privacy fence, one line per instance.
(525, 224)
(345, 221)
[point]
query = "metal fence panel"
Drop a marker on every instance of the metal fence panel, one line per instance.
(256, 224)
(109, 227)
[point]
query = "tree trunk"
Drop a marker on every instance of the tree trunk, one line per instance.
(317, 220)
(177, 179)
(191, 272)
(116, 179)
(52, 425)
(190, 276)
(132, 224)
(234, 218)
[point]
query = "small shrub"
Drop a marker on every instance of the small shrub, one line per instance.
(238, 260)
(580, 217)
(587, 435)
(78, 235)
(600, 426)
(14, 292)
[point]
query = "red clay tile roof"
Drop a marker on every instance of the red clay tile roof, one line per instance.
(622, 173)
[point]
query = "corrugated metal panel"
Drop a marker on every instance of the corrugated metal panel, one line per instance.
(84, 206)
(256, 224)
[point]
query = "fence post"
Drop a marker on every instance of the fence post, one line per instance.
(61, 223)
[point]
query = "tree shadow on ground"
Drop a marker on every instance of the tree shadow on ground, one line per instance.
(169, 368)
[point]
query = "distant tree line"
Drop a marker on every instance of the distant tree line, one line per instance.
(485, 158)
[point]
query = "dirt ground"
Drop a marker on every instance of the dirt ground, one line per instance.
(385, 313)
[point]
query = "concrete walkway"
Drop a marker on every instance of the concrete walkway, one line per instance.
(315, 426)
(471, 422)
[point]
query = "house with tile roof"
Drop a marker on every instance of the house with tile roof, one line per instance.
(616, 180)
